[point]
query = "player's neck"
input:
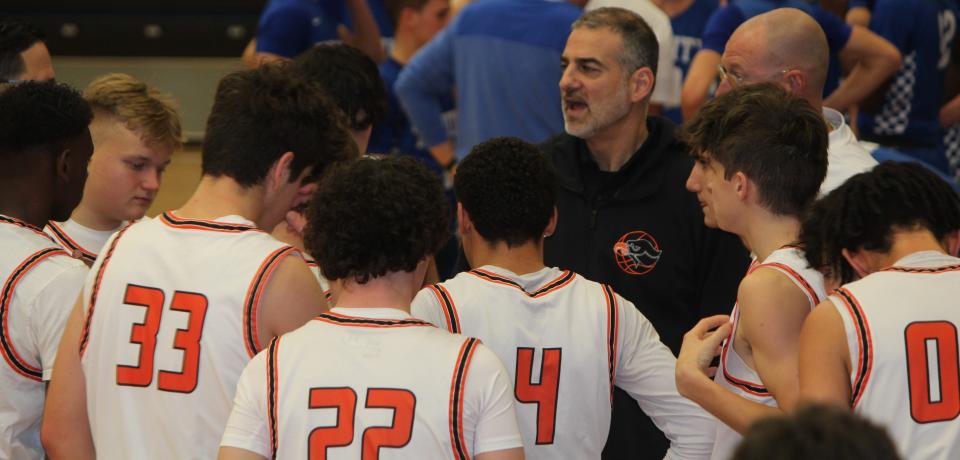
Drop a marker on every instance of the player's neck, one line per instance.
(33, 208)
(906, 242)
(613, 146)
(768, 232)
(222, 196)
(523, 259)
(89, 218)
(393, 290)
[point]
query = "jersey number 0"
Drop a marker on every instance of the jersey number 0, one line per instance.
(932, 369)
(145, 334)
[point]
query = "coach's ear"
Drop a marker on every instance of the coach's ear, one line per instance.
(464, 224)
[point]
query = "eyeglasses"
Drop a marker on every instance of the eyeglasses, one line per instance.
(737, 80)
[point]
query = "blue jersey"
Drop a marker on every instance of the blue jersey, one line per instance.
(924, 31)
(725, 20)
(395, 135)
(688, 28)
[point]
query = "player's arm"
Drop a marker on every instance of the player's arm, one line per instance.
(291, 297)
(696, 88)
(65, 432)
(234, 453)
(950, 112)
(421, 86)
(875, 60)
(365, 35)
(824, 359)
(768, 312)
(507, 454)
(646, 370)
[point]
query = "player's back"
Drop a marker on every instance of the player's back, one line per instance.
(901, 327)
(555, 331)
(375, 380)
(171, 319)
(30, 262)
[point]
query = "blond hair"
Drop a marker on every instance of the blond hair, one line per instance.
(141, 108)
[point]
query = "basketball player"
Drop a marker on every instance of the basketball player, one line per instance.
(567, 340)
(135, 130)
(761, 157)
(44, 148)
(367, 379)
(177, 305)
(885, 344)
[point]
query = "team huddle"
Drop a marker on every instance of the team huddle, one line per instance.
(199, 333)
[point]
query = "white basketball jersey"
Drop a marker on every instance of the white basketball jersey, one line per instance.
(78, 240)
(734, 373)
(901, 326)
(171, 319)
(373, 383)
(40, 283)
(567, 341)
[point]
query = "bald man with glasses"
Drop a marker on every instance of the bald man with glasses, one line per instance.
(787, 47)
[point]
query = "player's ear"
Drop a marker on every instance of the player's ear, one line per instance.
(464, 224)
(279, 172)
(952, 243)
(742, 184)
(858, 260)
(551, 224)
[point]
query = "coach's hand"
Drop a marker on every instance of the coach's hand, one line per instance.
(700, 345)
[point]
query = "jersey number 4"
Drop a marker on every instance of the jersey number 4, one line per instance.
(543, 394)
(398, 434)
(932, 367)
(145, 334)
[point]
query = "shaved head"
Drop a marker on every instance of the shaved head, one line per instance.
(779, 41)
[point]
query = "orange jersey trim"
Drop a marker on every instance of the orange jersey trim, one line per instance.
(613, 320)
(864, 363)
(923, 271)
(9, 352)
(808, 289)
(85, 333)
(564, 279)
(272, 395)
(353, 321)
(448, 306)
(251, 303)
(457, 387)
(755, 389)
(171, 220)
(64, 239)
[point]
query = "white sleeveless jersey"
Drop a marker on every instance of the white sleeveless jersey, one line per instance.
(171, 319)
(567, 341)
(78, 240)
(40, 283)
(373, 383)
(901, 327)
(733, 373)
(315, 269)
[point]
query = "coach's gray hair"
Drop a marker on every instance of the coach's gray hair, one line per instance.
(639, 42)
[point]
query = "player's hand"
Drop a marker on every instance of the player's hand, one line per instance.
(290, 230)
(700, 345)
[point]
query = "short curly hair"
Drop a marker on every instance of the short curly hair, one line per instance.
(376, 216)
(351, 78)
(41, 116)
(508, 188)
(866, 209)
(260, 114)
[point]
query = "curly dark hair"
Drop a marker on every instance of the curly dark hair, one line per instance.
(816, 432)
(351, 78)
(509, 189)
(15, 38)
(866, 209)
(260, 114)
(376, 216)
(777, 139)
(41, 116)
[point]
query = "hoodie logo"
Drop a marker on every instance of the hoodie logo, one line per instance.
(637, 253)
